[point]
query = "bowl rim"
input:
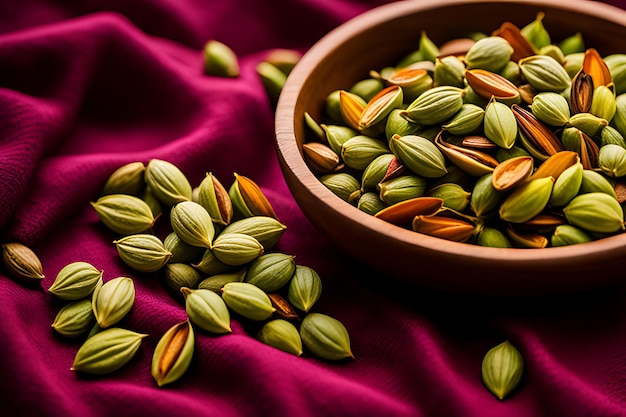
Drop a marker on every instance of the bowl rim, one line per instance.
(291, 157)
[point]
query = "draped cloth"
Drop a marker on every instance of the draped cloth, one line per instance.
(87, 86)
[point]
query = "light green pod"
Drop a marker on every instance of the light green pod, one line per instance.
(113, 300)
(551, 108)
(75, 281)
(248, 300)
(75, 319)
(282, 335)
(271, 271)
(376, 171)
(527, 200)
(491, 53)
(267, 230)
(449, 70)
(367, 88)
(337, 135)
(610, 135)
(612, 160)
(172, 355)
(467, 120)
(142, 252)
(453, 195)
(305, 288)
(371, 203)
(107, 351)
(341, 184)
(595, 212)
(167, 182)
(398, 125)
(594, 182)
(573, 63)
(124, 214)
(617, 67)
(358, 152)
(219, 59)
(567, 185)
(500, 124)
(545, 73)
(402, 188)
(236, 248)
(325, 336)
(216, 282)
(127, 179)
(192, 223)
(603, 103)
(492, 238)
(419, 154)
(182, 252)
(502, 369)
(207, 310)
(435, 105)
(573, 44)
(587, 123)
(485, 199)
(566, 234)
(215, 199)
(536, 33)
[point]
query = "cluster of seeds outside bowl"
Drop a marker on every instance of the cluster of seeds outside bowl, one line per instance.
(499, 135)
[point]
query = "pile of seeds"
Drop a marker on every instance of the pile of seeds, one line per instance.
(501, 140)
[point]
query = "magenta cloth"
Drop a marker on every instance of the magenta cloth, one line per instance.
(86, 86)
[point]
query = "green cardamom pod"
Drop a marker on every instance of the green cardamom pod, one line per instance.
(216, 282)
(396, 124)
(124, 214)
(491, 53)
(325, 336)
(610, 135)
(527, 200)
(342, 184)
(142, 252)
(113, 300)
(536, 33)
(179, 275)
(192, 223)
(215, 200)
(182, 252)
(273, 80)
(376, 171)
(467, 120)
(271, 271)
(358, 152)
(75, 281)
(219, 59)
(612, 160)
(207, 310)
(500, 124)
(566, 234)
(617, 67)
(107, 351)
(420, 155)
(210, 264)
(248, 199)
(247, 300)
(594, 182)
(619, 119)
(485, 199)
(173, 354)
(267, 230)
(436, 105)
(453, 195)
(167, 182)
(595, 212)
(404, 187)
(236, 248)
(544, 73)
(367, 88)
(370, 203)
(305, 288)
(492, 238)
(551, 108)
(127, 179)
(502, 369)
(22, 262)
(74, 319)
(449, 70)
(282, 335)
(567, 185)
(587, 123)
(337, 135)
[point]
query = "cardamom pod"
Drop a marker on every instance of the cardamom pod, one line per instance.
(325, 337)
(500, 124)
(107, 351)
(566, 234)
(124, 214)
(419, 154)
(305, 288)
(210, 264)
(178, 275)
(75, 281)
(502, 369)
(167, 182)
(248, 199)
(247, 300)
(127, 179)
(282, 335)
(595, 212)
(142, 252)
(284, 310)
(271, 271)
(527, 200)
(173, 353)
(491, 53)
(219, 59)
(215, 199)
(74, 319)
(192, 223)
(236, 248)
(22, 262)
(207, 310)
(217, 281)
(113, 300)
(182, 252)
(267, 230)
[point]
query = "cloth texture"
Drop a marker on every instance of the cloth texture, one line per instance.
(87, 86)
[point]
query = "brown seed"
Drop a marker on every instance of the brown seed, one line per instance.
(403, 212)
(539, 135)
(473, 162)
(447, 228)
(351, 108)
(488, 84)
(521, 47)
(511, 172)
(321, 158)
(555, 165)
(581, 92)
(283, 308)
(21, 262)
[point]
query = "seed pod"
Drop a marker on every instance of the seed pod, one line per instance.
(210, 264)
(551, 108)
(587, 123)
(107, 351)
(271, 271)
(351, 107)
(248, 198)
(402, 188)
(192, 223)
(449, 70)
(167, 182)
(567, 185)
(573, 44)
(282, 335)
(449, 228)
(113, 300)
(248, 300)
(358, 152)
(173, 353)
(610, 135)
(536, 33)
(500, 124)
(337, 135)
(215, 199)
(219, 59)
(485, 199)
(595, 212)
(236, 248)
(603, 103)
(342, 184)
(217, 281)
(75, 319)
(453, 196)
(379, 107)
(467, 120)
(594, 182)
(612, 160)
(502, 369)
(398, 125)
(493, 238)
(419, 154)
(207, 310)
(179, 275)
(511, 172)
(376, 171)
(491, 53)
(142, 252)
(124, 214)
(566, 234)
(325, 336)
(527, 200)
(75, 281)
(486, 84)
(370, 203)
(367, 88)
(22, 262)
(182, 252)
(544, 73)
(619, 120)
(283, 308)
(616, 64)
(320, 158)
(127, 179)
(435, 105)
(273, 80)
(305, 288)
(267, 230)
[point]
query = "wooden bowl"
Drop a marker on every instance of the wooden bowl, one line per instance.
(382, 36)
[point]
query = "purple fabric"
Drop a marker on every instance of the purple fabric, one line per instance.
(86, 86)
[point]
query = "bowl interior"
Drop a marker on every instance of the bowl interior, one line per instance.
(382, 37)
